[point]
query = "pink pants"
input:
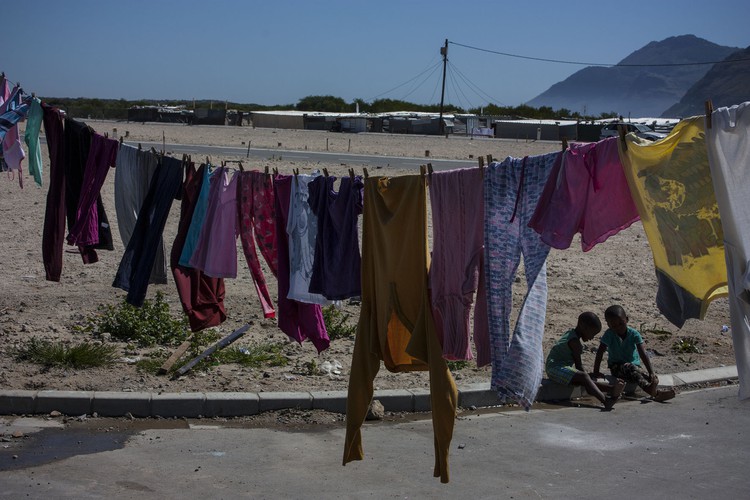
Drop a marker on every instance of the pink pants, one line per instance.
(457, 271)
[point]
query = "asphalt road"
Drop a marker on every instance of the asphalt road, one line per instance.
(695, 446)
(325, 158)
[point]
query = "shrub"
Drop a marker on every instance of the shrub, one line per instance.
(337, 323)
(148, 325)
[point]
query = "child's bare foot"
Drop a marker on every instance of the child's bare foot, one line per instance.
(664, 395)
(609, 403)
(617, 389)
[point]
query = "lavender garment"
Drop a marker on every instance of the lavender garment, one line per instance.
(457, 263)
(337, 266)
(216, 250)
(298, 320)
(511, 192)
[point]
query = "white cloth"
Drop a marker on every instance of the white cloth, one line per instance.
(302, 228)
(728, 145)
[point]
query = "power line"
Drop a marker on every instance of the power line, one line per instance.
(609, 65)
(418, 85)
(432, 66)
(477, 90)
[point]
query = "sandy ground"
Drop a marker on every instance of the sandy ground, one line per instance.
(617, 271)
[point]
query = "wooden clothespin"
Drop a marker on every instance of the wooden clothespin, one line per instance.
(240, 164)
(351, 173)
(106, 135)
(429, 168)
(120, 140)
(621, 132)
(266, 169)
(480, 160)
(422, 170)
(153, 151)
(364, 171)
(208, 160)
(489, 159)
(564, 143)
(296, 174)
(709, 112)
(275, 170)
(325, 171)
(139, 146)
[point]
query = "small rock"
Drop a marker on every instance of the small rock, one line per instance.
(376, 411)
(55, 414)
(129, 416)
(15, 457)
(472, 407)
(18, 434)
(462, 446)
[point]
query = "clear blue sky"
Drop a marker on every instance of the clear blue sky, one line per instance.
(279, 51)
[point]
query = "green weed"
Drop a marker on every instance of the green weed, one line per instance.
(687, 345)
(457, 365)
(148, 325)
(49, 354)
(337, 323)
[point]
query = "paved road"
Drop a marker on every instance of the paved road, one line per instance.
(695, 446)
(327, 158)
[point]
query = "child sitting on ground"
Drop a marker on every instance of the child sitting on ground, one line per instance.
(564, 364)
(624, 347)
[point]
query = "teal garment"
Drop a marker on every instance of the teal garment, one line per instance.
(622, 350)
(31, 137)
(561, 354)
(196, 223)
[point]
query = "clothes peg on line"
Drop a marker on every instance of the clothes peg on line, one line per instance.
(564, 143)
(489, 159)
(325, 171)
(139, 147)
(351, 173)
(275, 170)
(621, 132)
(709, 112)
(480, 160)
(240, 164)
(364, 171)
(120, 140)
(422, 170)
(266, 169)
(429, 168)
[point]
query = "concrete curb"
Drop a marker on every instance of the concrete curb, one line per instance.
(234, 404)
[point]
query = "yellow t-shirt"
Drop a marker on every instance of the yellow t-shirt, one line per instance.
(670, 182)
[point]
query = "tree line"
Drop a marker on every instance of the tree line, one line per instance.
(117, 109)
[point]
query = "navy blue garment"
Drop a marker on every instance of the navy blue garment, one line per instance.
(135, 267)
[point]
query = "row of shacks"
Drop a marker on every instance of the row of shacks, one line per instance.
(395, 123)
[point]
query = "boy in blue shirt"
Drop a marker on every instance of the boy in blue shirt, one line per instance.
(564, 364)
(624, 347)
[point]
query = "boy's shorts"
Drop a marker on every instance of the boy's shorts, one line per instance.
(561, 374)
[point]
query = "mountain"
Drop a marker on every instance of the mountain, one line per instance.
(725, 84)
(636, 91)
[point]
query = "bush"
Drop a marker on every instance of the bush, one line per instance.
(337, 323)
(85, 355)
(148, 325)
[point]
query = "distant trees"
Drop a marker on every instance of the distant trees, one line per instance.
(117, 109)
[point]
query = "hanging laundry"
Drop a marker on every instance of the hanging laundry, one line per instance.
(31, 137)
(12, 110)
(77, 146)
(586, 193)
(216, 250)
(511, 192)
(199, 217)
(133, 173)
(102, 155)
(261, 197)
(53, 233)
(727, 141)
(249, 185)
(298, 320)
(670, 181)
(395, 323)
(138, 260)
(457, 269)
(337, 265)
(301, 229)
(201, 296)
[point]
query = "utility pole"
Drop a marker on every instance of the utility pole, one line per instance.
(444, 53)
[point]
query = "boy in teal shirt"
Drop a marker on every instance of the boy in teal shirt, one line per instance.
(564, 364)
(624, 348)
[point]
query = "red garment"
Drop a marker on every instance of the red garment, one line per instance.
(202, 297)
(255, 207)
(54, 214)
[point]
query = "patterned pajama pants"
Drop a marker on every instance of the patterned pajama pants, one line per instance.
(511, 192)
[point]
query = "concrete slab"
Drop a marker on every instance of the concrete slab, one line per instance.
(117, 404)
(231, 404)
(334, 401)
(29, 425)
(479, 395)
(279, 400)
(395, 399)
(17, 402)
(552, 391)
(705, 376)
(179, 404)
(72, 403)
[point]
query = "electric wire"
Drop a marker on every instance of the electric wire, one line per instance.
(474, 87)
(417, 86)
(430, 67)
(608, 65)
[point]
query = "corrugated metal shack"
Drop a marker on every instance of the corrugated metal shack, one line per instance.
(167, 114)
(545, 130)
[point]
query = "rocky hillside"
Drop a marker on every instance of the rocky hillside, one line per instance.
(725, 84)
(637, 90)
